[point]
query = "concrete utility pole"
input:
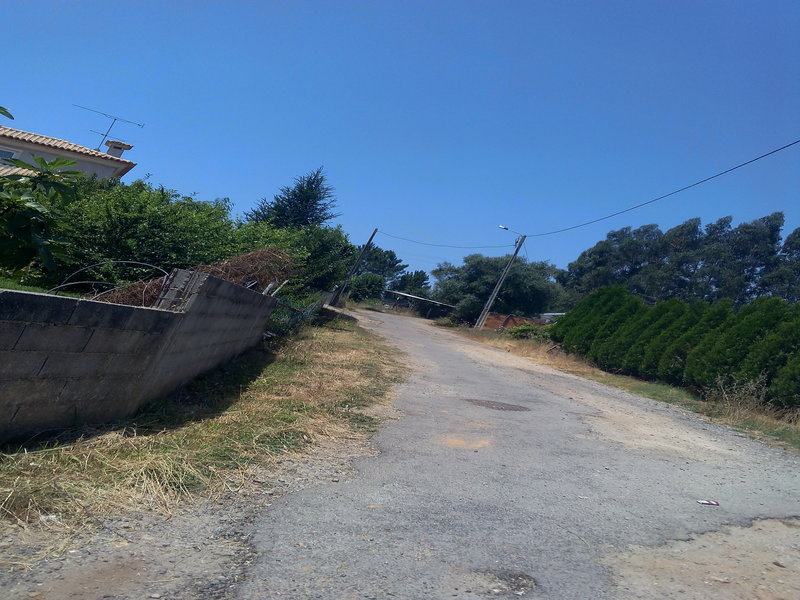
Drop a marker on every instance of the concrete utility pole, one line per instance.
(485, 312)
(337, 296)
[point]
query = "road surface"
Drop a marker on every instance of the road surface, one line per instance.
(503, 478)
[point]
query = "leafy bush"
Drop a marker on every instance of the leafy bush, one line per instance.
(785, 389)
(659, 318)
(711, 347)
(773, 351)
(722, 351)
(607, 351)
(581, 333)
(658, 348)
(368, 285)
(528, 331)
(672, 363)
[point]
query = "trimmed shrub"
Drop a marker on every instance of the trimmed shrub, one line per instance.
(661, 315)
(368, 285)
(654, 349)
(606, 350)
(773, 350)
(672, 364)
(603, 303)
(574, 317)
(785, 389)
(722, 351)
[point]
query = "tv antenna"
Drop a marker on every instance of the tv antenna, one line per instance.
(113, 118)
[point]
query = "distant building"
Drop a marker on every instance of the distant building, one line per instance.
(24, 146)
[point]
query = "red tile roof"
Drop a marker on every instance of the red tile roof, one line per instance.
(55, 143)
(6, 170)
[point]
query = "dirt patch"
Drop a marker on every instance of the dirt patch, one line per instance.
(200, 552)
(759, 562)
(615, 420)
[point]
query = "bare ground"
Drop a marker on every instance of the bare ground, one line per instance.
(204, 550)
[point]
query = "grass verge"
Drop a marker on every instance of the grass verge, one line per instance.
(209, 437)
(7, 283)
(740, 409)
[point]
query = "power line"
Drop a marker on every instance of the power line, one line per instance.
(441, 245)
(683, 189)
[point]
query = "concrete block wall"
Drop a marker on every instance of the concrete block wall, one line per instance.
(65, 361)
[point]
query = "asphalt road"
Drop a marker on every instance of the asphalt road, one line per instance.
(468, 501)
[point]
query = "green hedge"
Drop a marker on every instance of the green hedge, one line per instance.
(529, 331)
(689, 343)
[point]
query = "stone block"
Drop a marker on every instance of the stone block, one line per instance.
(28, 391)
(35, 308)
(53, 337)
(104, 400)
(100, 314)
(30, 418)
(9, 333)
(115, 341)
(15, 364)
(152, 320)
(134, 366)
(73, 365)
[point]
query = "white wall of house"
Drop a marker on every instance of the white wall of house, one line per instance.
(86, 164)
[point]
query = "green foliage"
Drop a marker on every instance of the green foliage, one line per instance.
(329, 255)
(579, 337)
(722, 351)
(415, 283)
(529, 331)
(4, 112)
(672, 363)
(137, 222)
(692, 343)
(688, 262)
(773, 351)
(529, 289)
(28, 220)
(575, 317)
(658, 318)
(606, 350)
(785, 389)
(381, 262)
(367, 285)
(683, 315)
(309, 202)
(25, 231)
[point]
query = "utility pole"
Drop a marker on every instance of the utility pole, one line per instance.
(485, 312)
(337, 296)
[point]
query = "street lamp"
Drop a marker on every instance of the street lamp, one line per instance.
(485, 312)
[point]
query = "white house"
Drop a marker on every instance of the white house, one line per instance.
(24, 146)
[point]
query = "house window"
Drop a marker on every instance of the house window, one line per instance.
(6, 154)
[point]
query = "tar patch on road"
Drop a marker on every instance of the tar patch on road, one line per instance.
(496, 405)
(496, 584)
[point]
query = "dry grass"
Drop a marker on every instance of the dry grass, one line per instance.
(739, 405)
(208, 438)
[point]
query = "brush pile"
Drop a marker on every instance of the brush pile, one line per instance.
(255, 270)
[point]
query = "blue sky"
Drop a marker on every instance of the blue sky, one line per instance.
(438, 120)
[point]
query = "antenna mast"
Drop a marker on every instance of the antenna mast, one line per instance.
(113, 118)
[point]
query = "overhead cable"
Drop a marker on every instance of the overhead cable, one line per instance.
(397, 237)
(683, 189)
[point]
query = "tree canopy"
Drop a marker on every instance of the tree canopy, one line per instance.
(691, 262)
(529, 289)
(415, 283)
(381, 262)
(310, 201)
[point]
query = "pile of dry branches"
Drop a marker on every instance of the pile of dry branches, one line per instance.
(256, 269)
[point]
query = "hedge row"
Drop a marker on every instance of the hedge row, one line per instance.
(691, 344)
